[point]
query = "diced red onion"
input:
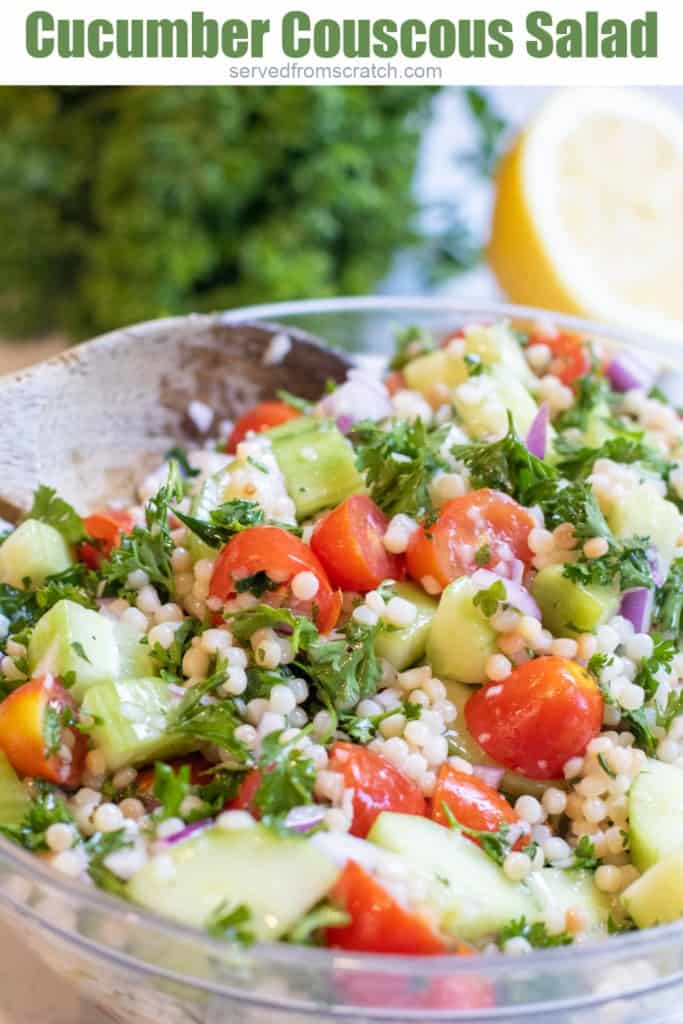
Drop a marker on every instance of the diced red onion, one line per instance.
(537, 437)
(489, 774)
(626, 372)
(516, 570)
(344, 423)
(636, 606)
(515, 594)
(189, 830)
(363, 396)
(303, 818)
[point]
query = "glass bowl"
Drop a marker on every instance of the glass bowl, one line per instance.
(141, 968)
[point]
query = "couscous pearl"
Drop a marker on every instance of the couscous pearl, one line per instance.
(246, 734)
(516, 866)
(235, 656)
(416, 733)
(163, 635)
(87, 796)
(368, 708)
(305, 586)
(236, 681)
(638, 646)
(529, 629)
(203, 570)
(298, 717)
(136, 619)
(282, 700)
(392, 726)
(556, 848)
(169, 827)
(594, 809)
(564, 648)
(132, 808)
(70, 862)
(668, 750)
(365, 616)
(169, 613)
(95, 762)
(498, 667)
(631, 697)
(148, 600)
(540, 540)
(233, 820)
(529, 809)
(398, 534)
(270, 722)
(256, 708)
(375, 601)
(321, 723)
(554, 801)
(181, 560)
(107, 818)
(137, 579)
(59, 837)
(435, 750)
(216, 641)
(573, 768)
(608, 878)
(195, 663)
(596, 547)
(400, 613)
(299, 688)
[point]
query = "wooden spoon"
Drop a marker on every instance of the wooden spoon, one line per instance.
(92, 421)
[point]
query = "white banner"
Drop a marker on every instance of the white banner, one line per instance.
(476, 42)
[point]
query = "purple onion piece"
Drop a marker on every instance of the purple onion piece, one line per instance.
(189, 830)
(655, 563)
(537, 437)
(345, 423)
(515, 594)
(303, 818)
(489, 774)
(636, 606)
(626, 372)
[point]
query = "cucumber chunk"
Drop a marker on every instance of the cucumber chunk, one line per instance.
(318, 467)
(475, 899)
(131, 719)
(642, 512)
(563, 889)
(496, 344)
(73, 639)
(657, 896)
(484, 402)
(278, 879)
(34, 550)
(570, 608)
(14, 797)
(468, 748)
(403, 647)
(655, 813)
(461, 638)
(436, 368)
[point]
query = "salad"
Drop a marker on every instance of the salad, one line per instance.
(397, 672)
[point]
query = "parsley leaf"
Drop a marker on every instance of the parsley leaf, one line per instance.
(51, 509)
(626, 562)
(150, 547)
(98, 848)
(399, 464)
(287, 779)
(591, 391)
(171, 788)
(584, 855)
(224, 522)
(301, 405)
(47, 808)
(627, 447)
(672, 709)
(309, 929)
(347, 670)
(669, 601)
(204, 718)
(168, 660)
(506, 465)
(410, 342)
(180, 456)
(301, 632)
(490, 128)
(489, 599)
(228, 922)
(363, 729)
(257, 584)
(660, 660)
(536, 934)
(496, 844)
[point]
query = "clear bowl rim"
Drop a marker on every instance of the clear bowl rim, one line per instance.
(492, 965)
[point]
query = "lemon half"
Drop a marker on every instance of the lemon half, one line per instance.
(589, 210)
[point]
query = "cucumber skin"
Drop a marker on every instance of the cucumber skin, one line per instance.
(14, 797)
(53, 639)
(460, 639)
(657, 896)
(317, 483)
(570, 608)
(655, 813)
(404, 647)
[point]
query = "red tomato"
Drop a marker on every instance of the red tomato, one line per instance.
(105, 529)
(471, 801)
(262, 417)
(378, 923)
(244, 801)
(570, 355)
(282, 556)
(377, 786)
(348, 542)
(484, 518)
(545, 712)
(24, 732)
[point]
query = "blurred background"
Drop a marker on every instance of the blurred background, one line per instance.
(125, 204)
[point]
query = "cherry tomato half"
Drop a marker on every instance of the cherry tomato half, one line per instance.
(104, 530)
(379, 924)
(483, 522)
(282, 556)
(35, 724)
(545, 712)
(377, 786)
(570, 355)
(262, 417)
(472, 802)
(349, 544)
(244, 800)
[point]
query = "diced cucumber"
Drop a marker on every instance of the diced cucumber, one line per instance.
(655, 804)
(483, 407)
(657, 896)
(318, 467)
(210, 496)
(34, 550)
(70, 638)
(403, 647)
(496, 344)
(642, 512)
(293, 428)
(461, 639)
(14, 797)
(436, 368)
(476, 898)
(279, 879)
(467, 747)
(131, 718)
(563, 889)
(598, 429)
(73, 639)
(569, 608)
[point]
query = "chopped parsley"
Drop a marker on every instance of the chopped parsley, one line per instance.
(591, 392)
(301, 405)
(536, 934)
(310, 929)
(98, 848)
(347, 670)
(668, 614)
(483, 555)
(180, 456)
(53, 510)
(47, 808)
(287, 779)
(659, 661)
(168, 661)
(300, 631)
(399, 463)
(410, 343)
(203, 717)
(257, 584)
(495, 845)
(171, 787)
(488, 600)
(584, 856)
(363, 729)
(230, 922)
(577, 462)
(23, 608)
(224, 522)
(626, 562)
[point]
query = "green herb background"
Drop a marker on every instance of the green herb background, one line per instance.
(123, 204)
